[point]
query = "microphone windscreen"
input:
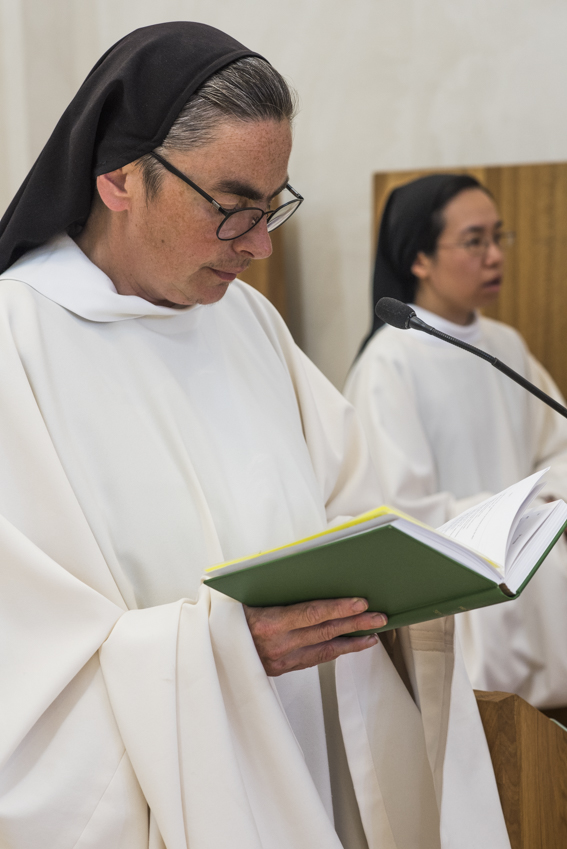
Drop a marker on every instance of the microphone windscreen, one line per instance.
(394, 312)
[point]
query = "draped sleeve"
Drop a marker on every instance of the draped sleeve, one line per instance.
(381, 388)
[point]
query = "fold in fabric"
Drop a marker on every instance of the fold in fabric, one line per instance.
(386, 753)
(420, 767)
(38, 596)
(203, 726)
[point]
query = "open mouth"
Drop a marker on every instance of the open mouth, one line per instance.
(495, 283)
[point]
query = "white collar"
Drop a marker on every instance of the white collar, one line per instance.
(64, 274)
(470, 333)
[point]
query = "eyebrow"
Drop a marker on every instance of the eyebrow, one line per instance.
(244, 190)
(478, 229)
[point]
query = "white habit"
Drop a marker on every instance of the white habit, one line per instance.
(139, 445)
(446, 430)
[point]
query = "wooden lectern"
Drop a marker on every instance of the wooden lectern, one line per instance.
(529, 755)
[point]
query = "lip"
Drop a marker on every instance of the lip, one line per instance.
(227, 276)
(495, 283)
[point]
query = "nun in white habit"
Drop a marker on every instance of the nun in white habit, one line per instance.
(157, 421)
(446, 430)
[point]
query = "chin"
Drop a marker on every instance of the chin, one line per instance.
(491, 296)
(212, 295)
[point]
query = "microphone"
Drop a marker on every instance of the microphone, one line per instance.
(403, 317)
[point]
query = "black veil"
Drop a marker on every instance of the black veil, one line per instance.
(123, 110)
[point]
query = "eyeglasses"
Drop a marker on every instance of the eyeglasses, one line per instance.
(478, 246)
(237, 222)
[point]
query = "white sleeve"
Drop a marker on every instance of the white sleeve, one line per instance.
(381, 390)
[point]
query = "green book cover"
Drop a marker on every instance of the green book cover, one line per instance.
(405, 578)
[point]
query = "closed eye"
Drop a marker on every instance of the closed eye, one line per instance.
(243, 203)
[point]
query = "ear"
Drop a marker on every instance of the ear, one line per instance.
(421, 267)
(113, 189)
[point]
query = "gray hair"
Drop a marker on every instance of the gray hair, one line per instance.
(248, 90)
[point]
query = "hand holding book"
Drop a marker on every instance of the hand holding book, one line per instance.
(300, 635)
(403, 568)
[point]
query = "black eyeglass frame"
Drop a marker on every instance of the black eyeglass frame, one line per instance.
(269, 213)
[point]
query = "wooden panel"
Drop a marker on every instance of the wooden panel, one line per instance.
(529, 755)
(268, 275)
(559, 714)
(533, 203)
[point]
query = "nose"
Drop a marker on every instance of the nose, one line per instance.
(495, 254)
(256, 243)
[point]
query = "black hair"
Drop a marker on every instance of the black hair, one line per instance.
(436, 221)
(249, 89)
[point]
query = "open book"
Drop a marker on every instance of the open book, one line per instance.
(404, 568)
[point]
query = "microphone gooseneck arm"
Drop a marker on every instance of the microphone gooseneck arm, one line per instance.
(403, 316)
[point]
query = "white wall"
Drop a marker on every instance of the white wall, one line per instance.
(384, 84)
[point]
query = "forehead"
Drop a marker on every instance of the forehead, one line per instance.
(470, 208)
(253, 151)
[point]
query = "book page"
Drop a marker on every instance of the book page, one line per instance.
(550, 520)
(487, 527)
(528, 525)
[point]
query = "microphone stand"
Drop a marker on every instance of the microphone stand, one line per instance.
(417, 324)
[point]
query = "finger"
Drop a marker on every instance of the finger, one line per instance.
(334, 628)
(273, 641)
(322, 653)
(273, 650)
(309, 613)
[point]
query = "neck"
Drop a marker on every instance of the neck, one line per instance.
(455, 313)
(102, 241)
(97, 241)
